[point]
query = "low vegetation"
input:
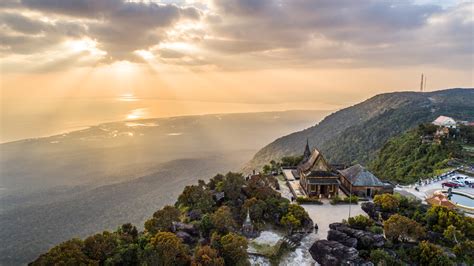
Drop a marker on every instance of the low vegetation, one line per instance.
(346, 200)
(308, 200)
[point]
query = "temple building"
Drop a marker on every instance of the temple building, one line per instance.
(445, 121)
(361, 182)
(317, 178)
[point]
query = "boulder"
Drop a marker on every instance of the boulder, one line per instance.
(194, 215)
(329, 253)
(186, 238)
(342, 238)
(365, 239)
(188, 228)
(308, 226)
(371, 209)
(374, 211)
(433, 236)
(296, 237)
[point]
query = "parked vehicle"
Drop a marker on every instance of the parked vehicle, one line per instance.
(465, 179)
(459, 182)
(451, 184)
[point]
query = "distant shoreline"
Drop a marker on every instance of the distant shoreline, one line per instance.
(84, 127)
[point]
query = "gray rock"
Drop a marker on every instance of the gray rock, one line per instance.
(188, 228)
(342, 238)
(329, 253)
(365, 239)
(187, 238)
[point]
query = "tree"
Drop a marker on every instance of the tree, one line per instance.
(165, 249)
(276, 208)
(433, 255)
(260, 187)
(291, 161)
(234, 249)
(399, 227)
(387, 202)
(214, 182)
(127, 232)
(67, 253)
(267, 169)
(439, 218)
(163, 220)
(206, 225)
(299, 213)
(256, 208)
(231, 186)
(207, 256)
(99, 247)
(290, 222)
(222, 220)
(196, 198)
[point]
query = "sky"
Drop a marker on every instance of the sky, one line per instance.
(255, 54)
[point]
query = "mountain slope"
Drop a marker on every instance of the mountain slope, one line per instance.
(406, 158)
(355, 133)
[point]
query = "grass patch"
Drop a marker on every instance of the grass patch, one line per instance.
(274, 253)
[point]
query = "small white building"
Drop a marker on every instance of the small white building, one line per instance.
(445, 121)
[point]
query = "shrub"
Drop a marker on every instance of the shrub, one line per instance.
(430, 254)
(376, 229)
(360, 222)
(399, 227)
(387, 202)
(382, 258)
(305, 200)
(351, 199)
(465, 251)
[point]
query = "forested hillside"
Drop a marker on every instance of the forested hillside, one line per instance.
(356, 133)
(406, 158)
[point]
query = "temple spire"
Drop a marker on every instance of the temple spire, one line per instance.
(307, 151)
(247, 219)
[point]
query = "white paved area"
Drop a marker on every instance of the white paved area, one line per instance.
(425, 191)
(325, 214)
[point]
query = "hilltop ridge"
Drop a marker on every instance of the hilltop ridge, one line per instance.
(354, 134)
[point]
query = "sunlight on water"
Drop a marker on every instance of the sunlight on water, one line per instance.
(128, 97)
(138, 113)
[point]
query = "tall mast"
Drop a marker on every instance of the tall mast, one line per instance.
(421, 84)
(424, 84)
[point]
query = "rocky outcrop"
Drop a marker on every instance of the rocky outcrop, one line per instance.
(188, 228)
(365, 239)
(329, 253)
(374, 211)
(342, 238)
(188, 233)
(308, 226)
(186, 238)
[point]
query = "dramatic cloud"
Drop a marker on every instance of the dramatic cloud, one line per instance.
(263, 33)
(119, 27)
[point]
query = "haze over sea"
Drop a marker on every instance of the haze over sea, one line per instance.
(45, 117)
